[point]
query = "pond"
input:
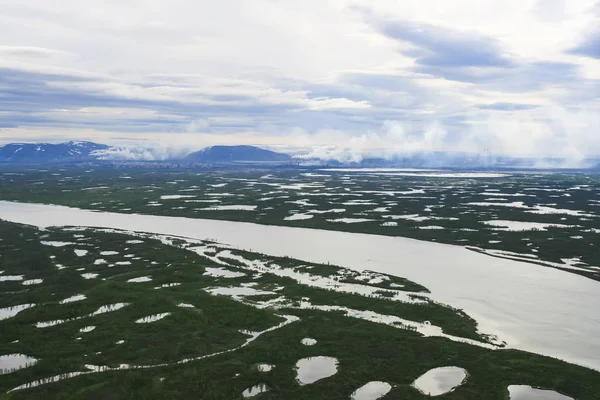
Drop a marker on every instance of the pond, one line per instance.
(14, 362)
(312, 369)
(522, 392)
(438, 381)
(371, 391)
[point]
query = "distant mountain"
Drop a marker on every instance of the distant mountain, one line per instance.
(47, 152)
(36, 153)
(40, 153)
(236, 154)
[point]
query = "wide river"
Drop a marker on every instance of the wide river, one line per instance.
(532, 308)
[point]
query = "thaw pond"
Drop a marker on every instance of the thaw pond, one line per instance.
(152, 318)
(11, 278)
(525, 304)
(14, 362)
(298, 217)
(77, 297)
(438, 381)
(140, 279)
(237, 292)
(109, 253)
(312, 369)
(255, 390)
(167, 285)
(9, 312)
(108, 308)
(523, 225)
(371, 391)
(309, 341)
(265, 367)
(48, 324)
(222, 273)
(56, 244)
(32, 282)
(520, 392)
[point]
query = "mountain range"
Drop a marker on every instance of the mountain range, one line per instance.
(240, 154)
(81, 151)
(34, 153)
(39, 153)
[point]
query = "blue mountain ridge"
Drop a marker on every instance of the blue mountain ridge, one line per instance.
(84, 151)
(47, 152)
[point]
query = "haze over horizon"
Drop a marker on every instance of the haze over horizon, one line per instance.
(339, 78)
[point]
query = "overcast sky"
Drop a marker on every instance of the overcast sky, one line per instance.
(511, 76)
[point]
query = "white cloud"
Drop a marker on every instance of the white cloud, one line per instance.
(106, 114)
(205, 90)
(155, 153)
(540, 132)
(276, 73)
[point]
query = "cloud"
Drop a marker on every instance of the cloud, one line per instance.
(32, 52)
(507, 106)
(206, 92)
(550, 10)
(174, 102)
(467, 55)
(156, 153)
(436, 46)
(391, 139)
(521, 78)
(538, 133)
(192, 73)
(542, 132)
(590, 46)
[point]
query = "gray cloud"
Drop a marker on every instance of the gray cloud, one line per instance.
(441, 47)
(394, 75)
(590, 45)
(507, 106)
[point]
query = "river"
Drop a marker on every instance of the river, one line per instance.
(531, 307)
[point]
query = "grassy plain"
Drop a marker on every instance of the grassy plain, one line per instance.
(365, 350)
(443, 209)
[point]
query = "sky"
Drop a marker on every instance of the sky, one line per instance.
(339, 78)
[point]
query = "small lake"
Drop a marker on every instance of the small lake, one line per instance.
(371, 391)
(152, 318)
(13, 362)
(521, 392)
(309, 341)
(9, 312)
(312, 369)
(265, 367)
(438, 381)
(255, 390)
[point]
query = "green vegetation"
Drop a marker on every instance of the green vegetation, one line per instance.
(447, 203)
(366, 350)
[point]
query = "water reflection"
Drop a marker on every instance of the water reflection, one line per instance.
(309, 370)
(371, 391)
(521, 392)
(438, 381)
(14, 362)
(255, 390)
